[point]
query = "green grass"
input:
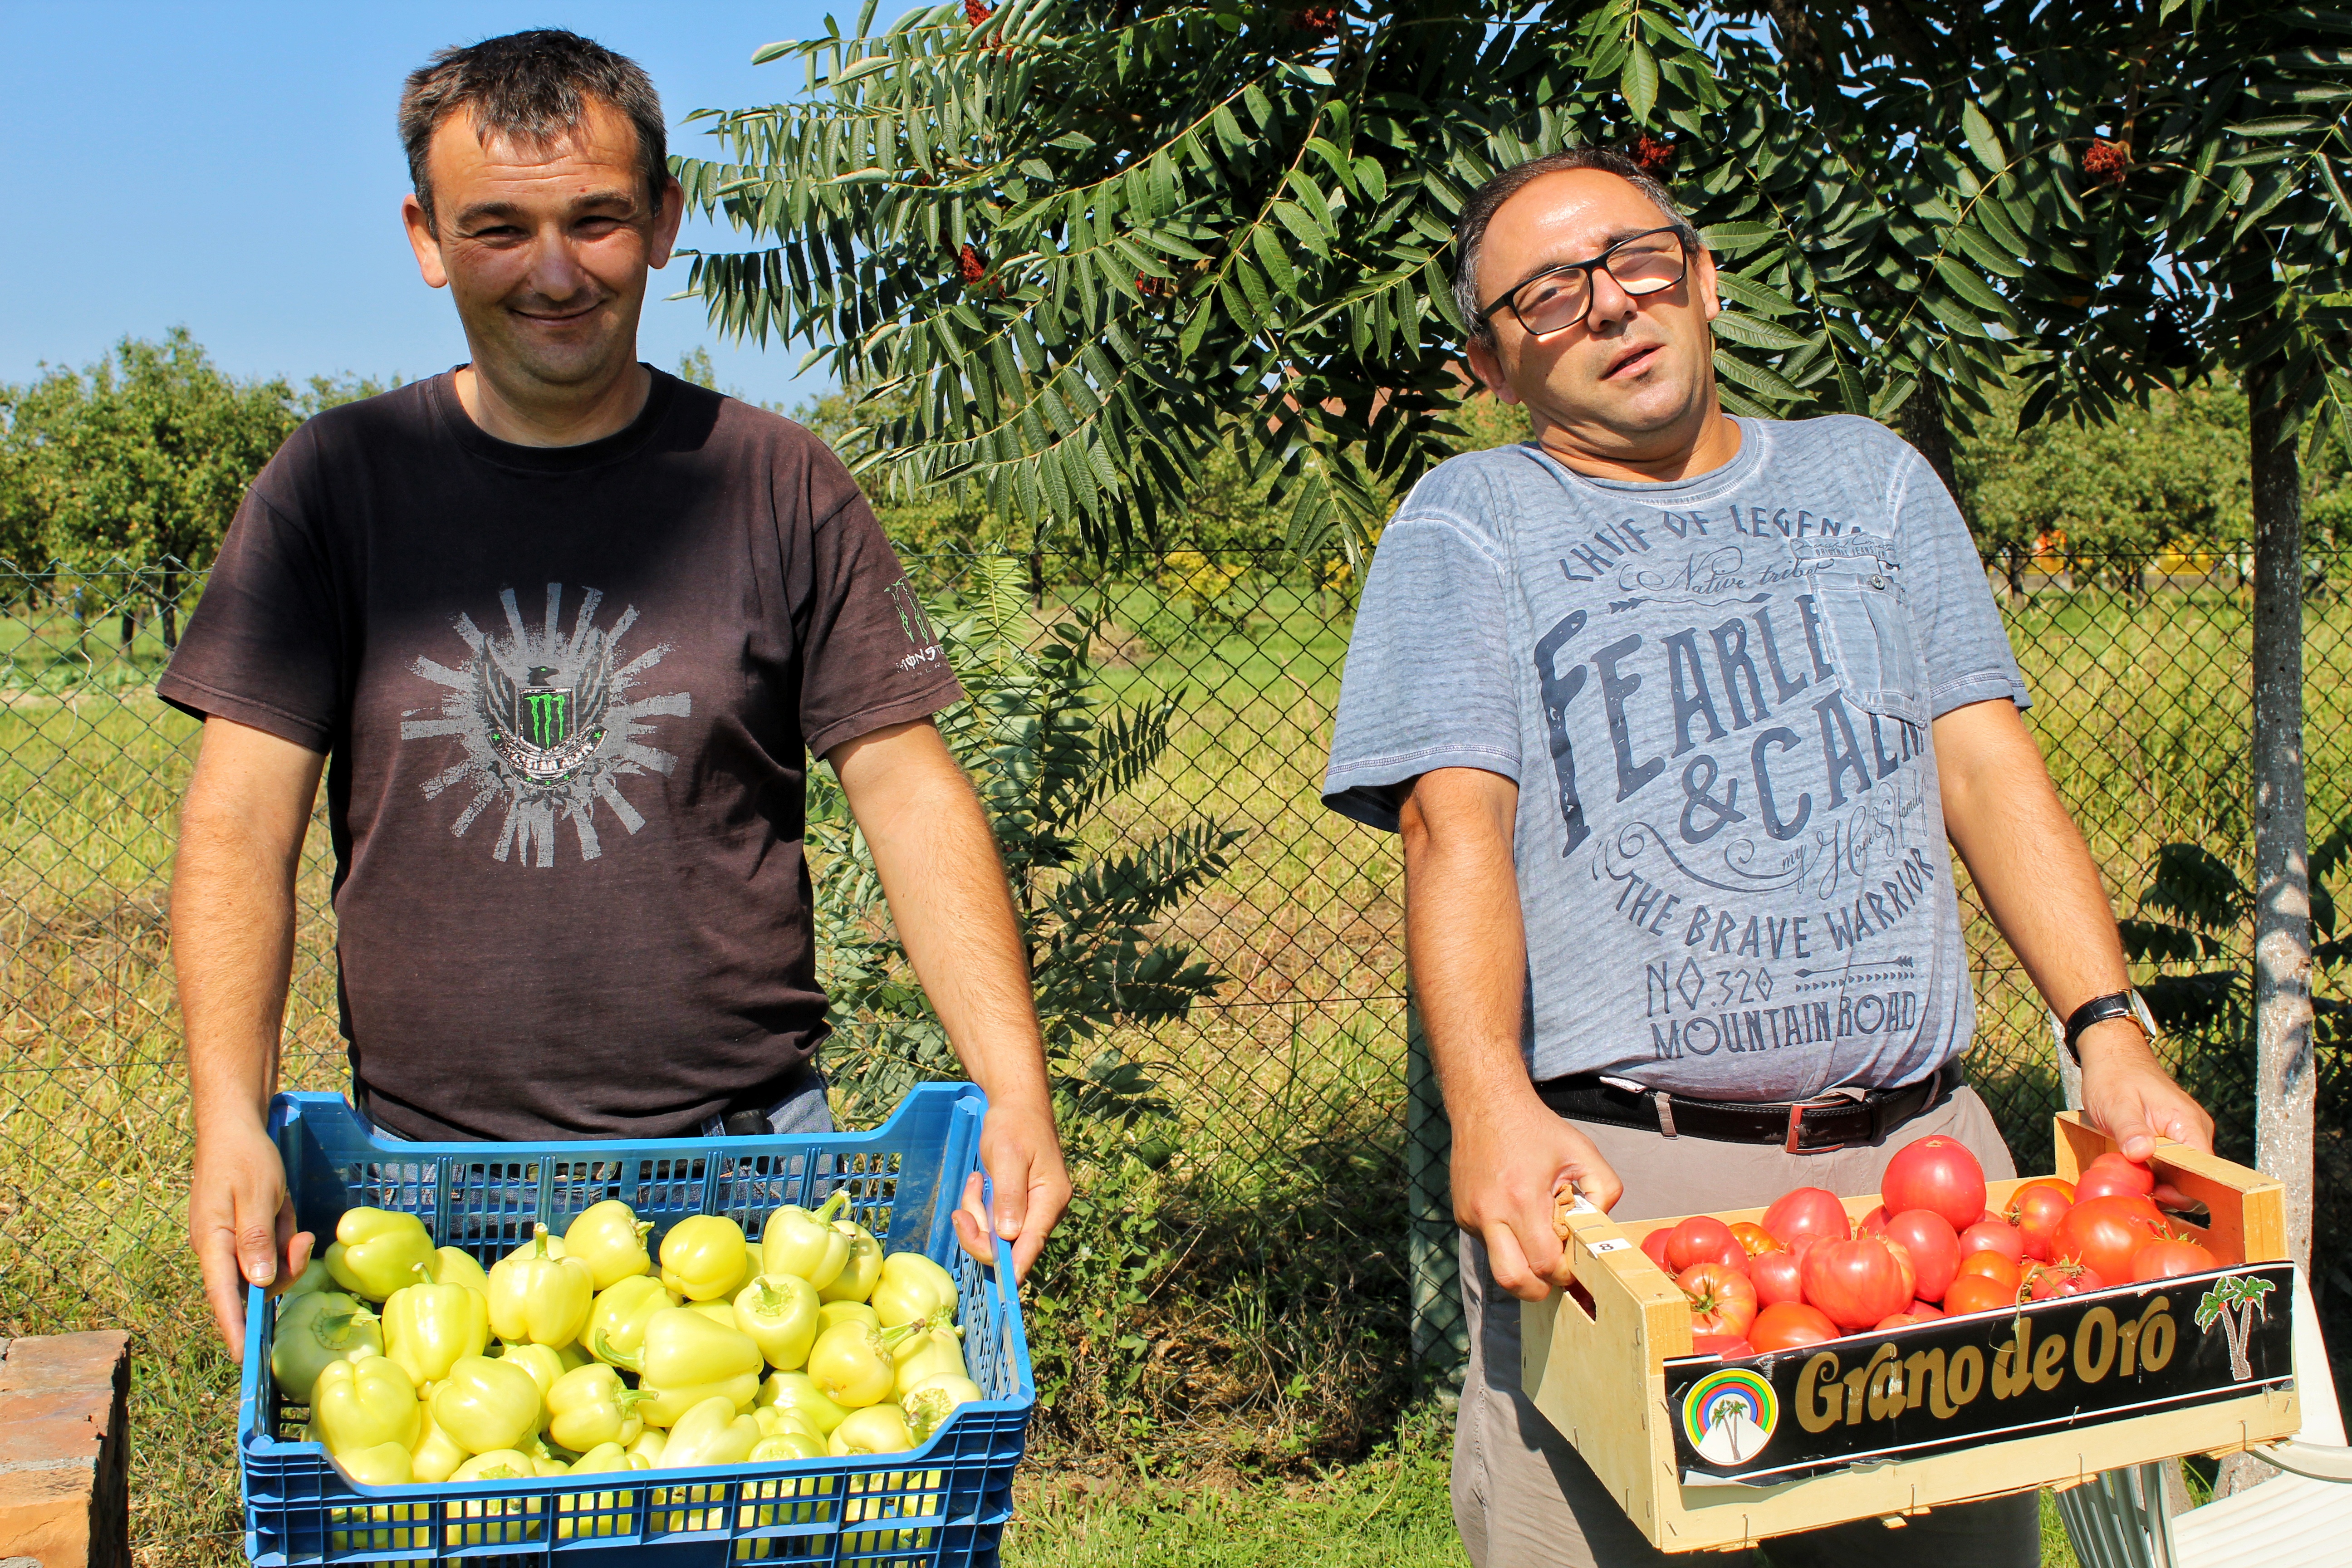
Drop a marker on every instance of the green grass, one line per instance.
(1232, 1322)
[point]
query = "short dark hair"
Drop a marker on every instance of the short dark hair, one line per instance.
(533, 88)
(1470, 228)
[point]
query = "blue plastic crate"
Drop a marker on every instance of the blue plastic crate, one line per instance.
(942, 1504)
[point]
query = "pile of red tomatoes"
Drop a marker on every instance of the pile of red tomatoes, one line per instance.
(1931, 1249)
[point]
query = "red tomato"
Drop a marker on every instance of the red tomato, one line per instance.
(1856, 1282)
(1754, 1238)
(1993, 1236)
(1934, 1247)
(2066, 1278)
(1937, 1173)
(1654, 1244)
(1777, 1277)
(2104, 1232)
(1874, 1223)
(1998, 1267)
(1807, 1211)
(2035, 1209)
(1926, 1310)
(1722, 1299)
(1785, 1325)
(2112, 1175)
(1703, 1238)
(1729, 1346)
(2168, 1258)
(1902, 1320)
(1977, 1293)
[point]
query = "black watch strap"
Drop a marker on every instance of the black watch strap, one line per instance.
(2098, 1010)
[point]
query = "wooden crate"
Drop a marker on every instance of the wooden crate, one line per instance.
(1594, 1360)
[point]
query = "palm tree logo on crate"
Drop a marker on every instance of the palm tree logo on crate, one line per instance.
(2235, 1302)
(1729, 1415)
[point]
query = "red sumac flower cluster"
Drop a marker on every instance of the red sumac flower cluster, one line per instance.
(2107, 162)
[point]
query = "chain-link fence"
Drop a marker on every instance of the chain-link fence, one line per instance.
(1304, 1141)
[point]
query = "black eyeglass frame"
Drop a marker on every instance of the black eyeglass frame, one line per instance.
(1599, 263)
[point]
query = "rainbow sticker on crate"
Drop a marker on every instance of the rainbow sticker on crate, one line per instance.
(1729, 1415)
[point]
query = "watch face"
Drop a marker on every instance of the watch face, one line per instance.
(2139, 1011)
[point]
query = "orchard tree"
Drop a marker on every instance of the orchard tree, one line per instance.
(149, 457)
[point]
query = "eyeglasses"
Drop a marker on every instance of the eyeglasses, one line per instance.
(1560, 296)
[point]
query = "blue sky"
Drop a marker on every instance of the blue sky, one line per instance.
(232, 168)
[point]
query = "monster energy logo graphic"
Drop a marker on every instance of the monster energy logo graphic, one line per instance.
(550, 715)
(546, 712)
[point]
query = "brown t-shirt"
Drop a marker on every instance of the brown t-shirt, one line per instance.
(568, 695)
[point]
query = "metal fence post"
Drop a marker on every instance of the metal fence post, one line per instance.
(1441, 1343)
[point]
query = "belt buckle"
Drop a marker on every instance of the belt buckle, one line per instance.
(1793, 1144)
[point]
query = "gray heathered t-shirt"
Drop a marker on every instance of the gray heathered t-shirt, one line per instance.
(1715, 696)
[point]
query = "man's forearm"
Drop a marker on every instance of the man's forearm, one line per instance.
(947, 892)
(1464, 940)
(2027, 858)
(233, 948)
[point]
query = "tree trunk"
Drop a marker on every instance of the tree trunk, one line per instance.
(130, 625)
(1924, 428)
(167, 609)
(1037, 577)
(2283, 1083)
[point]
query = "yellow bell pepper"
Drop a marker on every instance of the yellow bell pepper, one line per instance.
(851, 1365)
(359, 1404)
(913, 1288)
(682, 1347)
(780, 1312)
(721, 1312)
(428, 1328)
(498, 1465)
(804, 1242)
(313, 1278)
(876, 1429)
(610, 1239)
(321, 1326)
(937, 1352)
(487, 1406)
(834, 1313)
(455, 1266)
(861, 1270)
(702, 1258)
(712, 1433)
(648, 1447)
(664, 1405)
(623, 1310)
(789, 1446)
(434, 1458)
(540, 1296)
(544, 1364)
(386, 1465)
(775, 1418)
(589, 1406)
(796, 1391)
(376, 1252)
(932, 1401)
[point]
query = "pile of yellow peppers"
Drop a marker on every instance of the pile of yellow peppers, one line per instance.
(585, 1353)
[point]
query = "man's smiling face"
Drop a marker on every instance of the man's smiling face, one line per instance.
(544, 249)
(1635, 379)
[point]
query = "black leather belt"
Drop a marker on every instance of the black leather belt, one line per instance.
(1816, 1126)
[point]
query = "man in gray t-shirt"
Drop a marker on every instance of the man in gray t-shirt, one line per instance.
(1677, 714)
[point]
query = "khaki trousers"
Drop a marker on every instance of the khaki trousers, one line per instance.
(1522, 1498)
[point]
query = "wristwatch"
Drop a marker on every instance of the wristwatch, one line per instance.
(2098, 1010)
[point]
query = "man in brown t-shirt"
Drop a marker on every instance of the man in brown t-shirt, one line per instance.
(563, 632)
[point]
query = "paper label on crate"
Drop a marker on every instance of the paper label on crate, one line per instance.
(1614, 1243)
(1959, 1382)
